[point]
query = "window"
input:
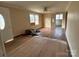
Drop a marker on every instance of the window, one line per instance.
(2, 23)
(59, 16)
(34, 18)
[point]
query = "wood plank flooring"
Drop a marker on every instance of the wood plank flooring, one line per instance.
(29, 46)
(55, 33)
(40, 47)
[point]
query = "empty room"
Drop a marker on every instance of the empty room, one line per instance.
(39, 28)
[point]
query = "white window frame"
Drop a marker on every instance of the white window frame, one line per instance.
(31, 18)
(59, 16)
(35, 19)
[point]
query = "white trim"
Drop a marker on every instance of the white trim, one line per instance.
(9, 40)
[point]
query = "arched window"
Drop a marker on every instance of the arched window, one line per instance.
(2, 22)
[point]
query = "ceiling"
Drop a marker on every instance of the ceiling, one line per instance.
(38, 6)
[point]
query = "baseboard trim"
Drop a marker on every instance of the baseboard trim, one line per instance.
(13, 38)
(69, 52)
(9, 40)
(19, 35)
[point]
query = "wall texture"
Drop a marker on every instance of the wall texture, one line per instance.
(19, 21)
(72, 31)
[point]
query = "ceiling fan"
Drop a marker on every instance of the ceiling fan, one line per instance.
(46, 9)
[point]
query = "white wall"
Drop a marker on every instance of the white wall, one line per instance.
(6, 34)
(72, 31)
(47, 20)
(1, 51)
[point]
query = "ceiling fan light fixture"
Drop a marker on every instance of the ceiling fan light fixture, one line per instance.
(45, 9)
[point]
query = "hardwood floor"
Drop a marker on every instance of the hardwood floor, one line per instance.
(36, 47)
(39, 47)
(59, 33)
(55, 33)
(18, 41)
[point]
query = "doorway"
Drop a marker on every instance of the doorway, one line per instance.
(59, 20)
(2, 27)
(5, 29)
